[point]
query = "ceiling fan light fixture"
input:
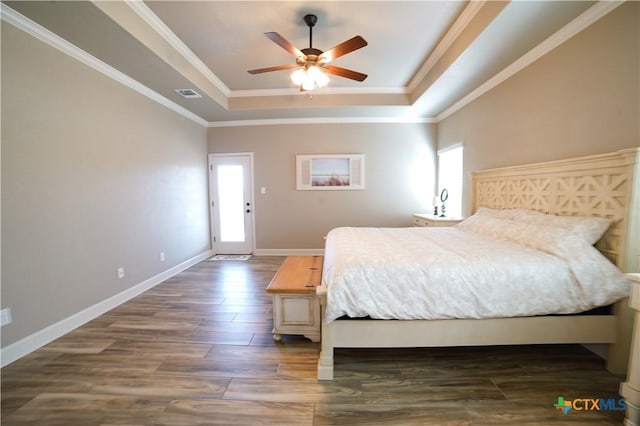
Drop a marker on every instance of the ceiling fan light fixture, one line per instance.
(309, 78)
(318, 76)
(307, 86)
(299, 76)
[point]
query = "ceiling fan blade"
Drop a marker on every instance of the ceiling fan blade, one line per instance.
(276, 68)
(343, 48)
(284, 43)
(343, 72)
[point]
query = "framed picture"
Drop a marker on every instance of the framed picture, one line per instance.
(322, 172)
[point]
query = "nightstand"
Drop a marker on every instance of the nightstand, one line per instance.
(630, 389)
(431, 220)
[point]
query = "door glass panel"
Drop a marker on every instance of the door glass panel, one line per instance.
(231, 200)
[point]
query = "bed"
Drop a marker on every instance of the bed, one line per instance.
(364, 268)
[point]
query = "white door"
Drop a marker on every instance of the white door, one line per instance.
(231, 192)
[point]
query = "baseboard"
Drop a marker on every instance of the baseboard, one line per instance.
(40, 338)
(288, 252)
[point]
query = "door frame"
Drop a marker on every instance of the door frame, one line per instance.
(212, 210)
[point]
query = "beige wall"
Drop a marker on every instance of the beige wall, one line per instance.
(399, 177)
(94, 177)
(581, 98)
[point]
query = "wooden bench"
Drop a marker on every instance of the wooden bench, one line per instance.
(296, 308)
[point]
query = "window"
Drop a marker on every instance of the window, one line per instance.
(450, 178)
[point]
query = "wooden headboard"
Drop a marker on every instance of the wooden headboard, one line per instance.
(605, 185)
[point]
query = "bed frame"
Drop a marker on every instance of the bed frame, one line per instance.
(604, 185)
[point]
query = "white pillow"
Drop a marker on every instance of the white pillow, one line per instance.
(516, 231)
(496, 213)
(590, 229)
(599, 279)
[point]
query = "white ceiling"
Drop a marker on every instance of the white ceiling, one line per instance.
(423, 59)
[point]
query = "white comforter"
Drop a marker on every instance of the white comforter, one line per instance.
(444, 273)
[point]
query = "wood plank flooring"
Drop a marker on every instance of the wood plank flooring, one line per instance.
(197, 350)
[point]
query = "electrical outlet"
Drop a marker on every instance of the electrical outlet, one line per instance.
(120, 273)
(5, 317)
(162, 256)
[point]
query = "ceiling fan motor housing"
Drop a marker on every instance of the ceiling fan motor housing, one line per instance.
(310, 58)
(311, 51)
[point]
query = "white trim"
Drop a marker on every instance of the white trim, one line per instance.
(170, 37)
(210, 158)
(450, 148)
(48, 334)
(587, 18)
(28, 26)
(320, 120)
(230, 154)
(294, 91)
(445, 43)
(289, 252)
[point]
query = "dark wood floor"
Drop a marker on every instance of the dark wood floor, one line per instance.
(198, 350)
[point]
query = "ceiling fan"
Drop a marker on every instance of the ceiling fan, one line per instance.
(310, 61)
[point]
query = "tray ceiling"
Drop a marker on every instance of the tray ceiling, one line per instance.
(423, 59)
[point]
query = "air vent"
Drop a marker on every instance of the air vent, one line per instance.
(188, 93)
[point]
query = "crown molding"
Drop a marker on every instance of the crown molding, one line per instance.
(584, 20)
(23, 23)
(445, 43)
(322, 120)
(170, 37)
(323, 91)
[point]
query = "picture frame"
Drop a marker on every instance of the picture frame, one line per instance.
(330, 172)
